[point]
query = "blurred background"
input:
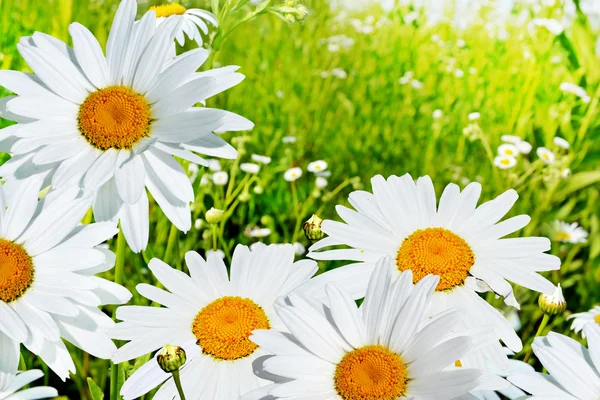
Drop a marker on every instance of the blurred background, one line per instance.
(366, 87)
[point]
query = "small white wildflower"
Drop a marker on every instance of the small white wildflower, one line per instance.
(317, 166)
(460, 43)
(508, 149)
(459, 73)
(568, 233)
(404, 80)
(546, 155)
(505, 162)
(552, 25)
(510, 139)
(324, 74)
(214, 165)
(299, 248)
(219, 253)
(474, 116)
(321, 182)
(472, 71)
(416, 84)
(565, 173)
(220, 178)
(257, 232)
(560, 142)
(289, 139)
(437, 114)
(279, 94)
(198, 223)
(292, 174)
(261, 159)
(333, 47)
(339, 73)
(524, 147)
(193, 172)
(250, 168)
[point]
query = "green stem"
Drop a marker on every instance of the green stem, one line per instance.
(178, 384)
(171, 244)
(538, 333)
(119, 264)
(214, 236)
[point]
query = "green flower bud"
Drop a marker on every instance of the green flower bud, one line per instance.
(312, 228)
(214, 215)
(171, 358)
(553, 304)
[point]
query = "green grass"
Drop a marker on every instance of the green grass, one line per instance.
(370, 124)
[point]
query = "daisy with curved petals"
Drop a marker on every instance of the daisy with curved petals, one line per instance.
(113, 124)
(457, 240)
(574, 371)
(386, 350)
(25, 378)
(48, 290)
(211, 316)
(582, 319)
(193, 21)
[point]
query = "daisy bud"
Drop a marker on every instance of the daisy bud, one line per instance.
(171, 358)
(553, 304)
(312, 228)
(214, 215)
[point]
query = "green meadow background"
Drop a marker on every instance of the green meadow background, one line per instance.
(367, 123)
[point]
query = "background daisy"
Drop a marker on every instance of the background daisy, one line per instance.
(573, 370)
(211, 316)
(568, 232)
(457, 240)
(582, 319)
(113, 124)
(388, 349)
(48, 290)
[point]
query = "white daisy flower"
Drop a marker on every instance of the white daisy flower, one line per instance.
(582, 319)
(220, 178)
(505, 162)
(546, 155)
(524, 147)
(573, 369)
(211, 316)
(387, 349)
(48, 291)
(569, 233)
(193, 21)
(560, 142)
(257, 232)
(321, 182)
(261, 159)
(510, 392)
(339, 73)
(474, 116)
(214, 165)
(292, 174)
(250, 168)
(288, 139)
(456, 240)
(112, 124)
(508, 149)
(437, 114)
(23, 379)
(511, 139)
(317, 166)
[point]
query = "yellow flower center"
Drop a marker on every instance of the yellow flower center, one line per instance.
(436, 251)
(166, 10)
(114, 117)
(505, 161)
(509, 152)
(371, 373)
(597, 319)
(545, 156)
(562, 236)
(224, 326)
(16, 271)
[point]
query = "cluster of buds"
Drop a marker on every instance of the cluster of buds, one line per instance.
(291, 11)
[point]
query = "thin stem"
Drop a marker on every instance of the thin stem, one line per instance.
(538, 333)
(178, 384)
(214, 236)
(171, 243)
(119, 264)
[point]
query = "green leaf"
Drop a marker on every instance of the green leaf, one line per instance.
(95, 390)
(577, 182)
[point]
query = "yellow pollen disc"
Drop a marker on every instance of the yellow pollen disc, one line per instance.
(114, 117)
(436, 251)
(371, 373)
(562, 236)
(545, 156)
(224, 326)
(166, 10)
(505, 162)
(597, 319)
(509, 152)
(16, 271)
